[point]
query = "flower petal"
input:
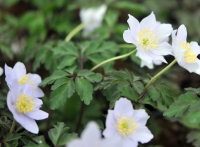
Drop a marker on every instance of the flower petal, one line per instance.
(140, 117)
(38, 92)
(75, 143)
(128, 37)
(36, 78)
(10, 75)
(123, 107)
(191, 67)
(142, 135)
(163, 49)
(148, 22)
(134, 26)
(195, 47)
(129, 143)
(142, 54)
(37, 115)
(178, 53)
(149, 65)
(182, 33)
(174, 38)
(156, 57)
(163, 31)
(19, 69)
(1, 71)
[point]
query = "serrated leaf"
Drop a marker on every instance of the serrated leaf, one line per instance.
(128, 92)
(59, 83)
(165, 95)
(67, 61)
(90, 76)
(153, 93)
(139, 87)
(196, 90)
(58, 97)
(84, 90)
(56, 75)
(40, 142)
(56, 133)
(65, 138)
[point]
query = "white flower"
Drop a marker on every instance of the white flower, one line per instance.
(185, 52)
(24, 106)
(1, 71)
(93, 18)
(91, 137)
(150, 65)
(127, 124)
(18, 72)
(149, 37)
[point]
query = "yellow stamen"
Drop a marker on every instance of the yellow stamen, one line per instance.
(148, 39)
(25, 80)
(126, 126)
(24, 104)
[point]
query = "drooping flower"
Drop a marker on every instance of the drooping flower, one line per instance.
(18, 72)
(185, 53)
(1, 71)
(150, 65)
(127, 124)
(91, 137)
(93, 18)
(24, 106)
(149, 37)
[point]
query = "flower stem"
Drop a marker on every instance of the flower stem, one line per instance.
(75, 31)
(160, 73)
(129, 46)
(13, 126)
(112, 59)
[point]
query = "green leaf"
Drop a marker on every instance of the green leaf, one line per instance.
(180, 106)
(58, 97)
(128, 92)
(139, 87)
(70, 88)
(196, 90)
(40, 142)
(11, 137)
(56, 75)
(59, 83)
(84, 90)
(65, 138)
(90, 76)
(67, 61)
(153, 93)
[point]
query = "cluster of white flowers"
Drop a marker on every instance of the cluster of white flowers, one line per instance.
(23, 98)
(151, 39)
(125, 127)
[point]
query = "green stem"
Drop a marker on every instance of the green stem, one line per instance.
(130, 46)
(75, 31)
(112, 59)
(13, 126)
(160, 73)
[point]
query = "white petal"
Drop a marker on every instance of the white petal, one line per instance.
(148, 22)
(140, 117)
(163, 31)
(182, 33)
(149, 65)
(38, 92)
(195, 47)
(10, 75)
(174, 38)
(178, 53)
(156, 57)
(91, 128)
(1, 71)
(36, 78)
(75, 143)
(37, 115)
(191, 67)
(163, 49)
(134, 26)
(128, 37)
(127, 142)
(142, 54)
(19, 69)
(37, 104)
(10, 102)
(142, 135)
(123, 107)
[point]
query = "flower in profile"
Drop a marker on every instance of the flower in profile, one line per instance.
(93, 18)
(18, 72)
(1, 71)
(185, 53)
(127, 124)
(150, 65)
(24, 106)
(91, 137)
(149, 37)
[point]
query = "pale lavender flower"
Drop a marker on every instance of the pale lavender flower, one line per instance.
(24, 106)
(91, 137)
(150, 65)
(18, 72)
(1, 71)
(149, 37)
(127, 124)
(185, 53)
(93, 18)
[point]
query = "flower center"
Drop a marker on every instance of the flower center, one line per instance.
(24, 104)
(126, 126)
(25, 80)
(189, 55)
(148, 39)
